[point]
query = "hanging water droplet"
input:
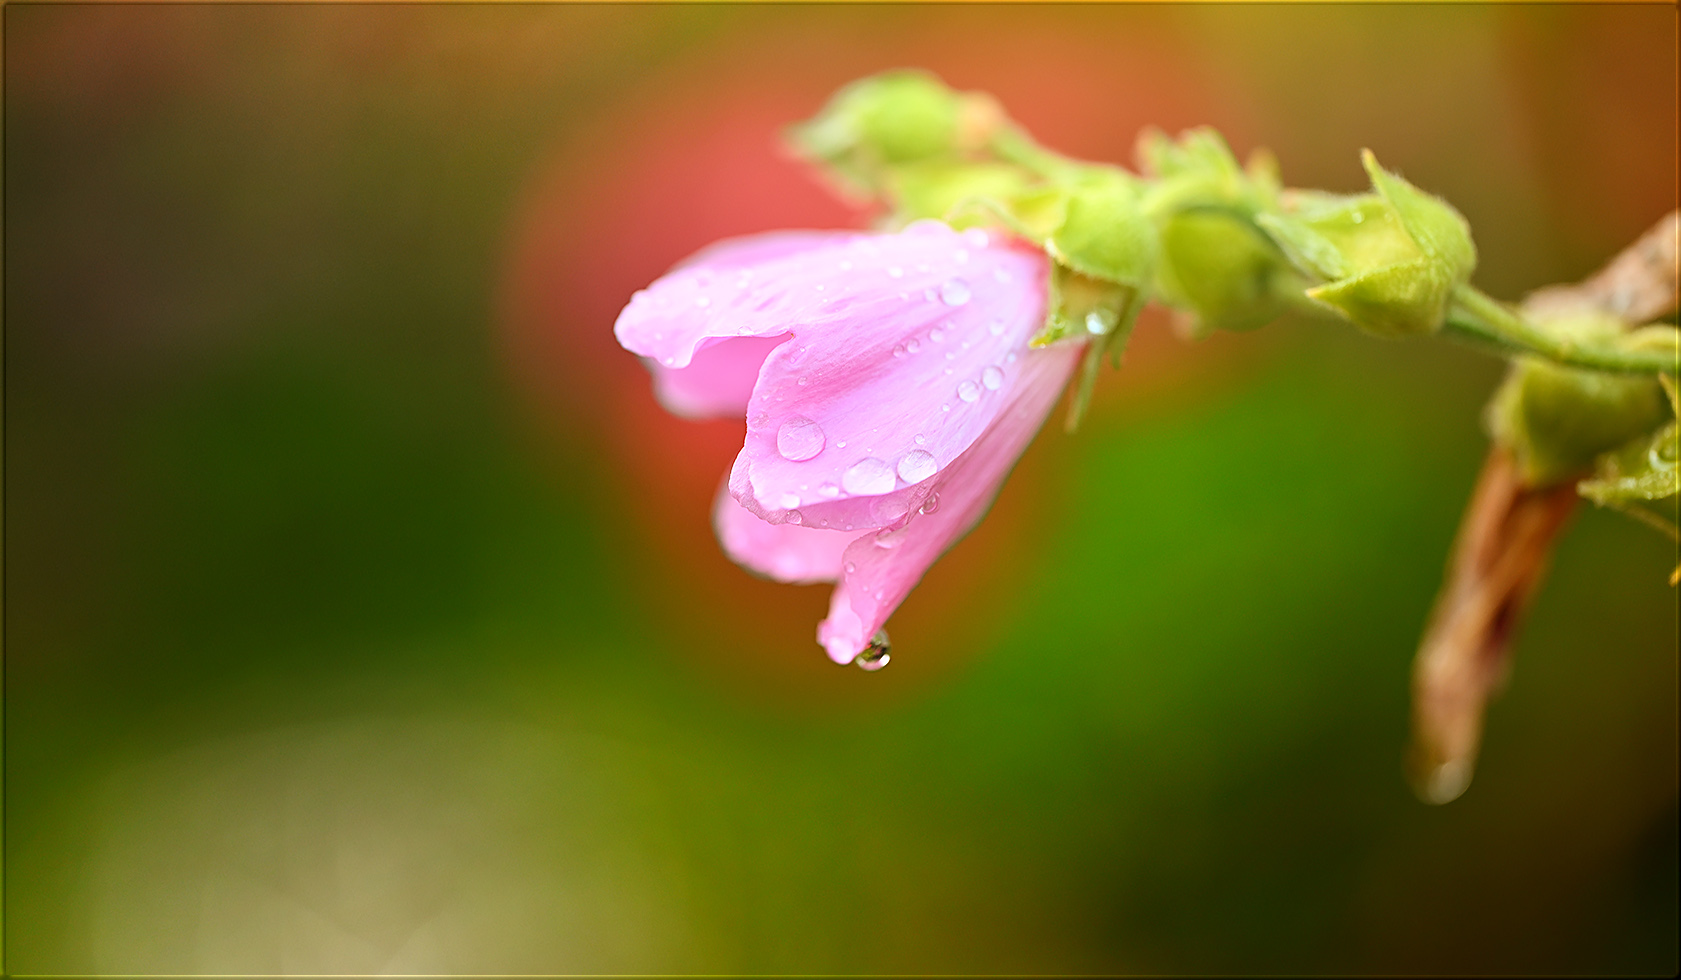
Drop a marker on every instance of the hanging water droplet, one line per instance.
(913, 346)
(969, 391)
(795, 517)
(868, 477)
(885, 538)
(954, 292)
(930, 505)
(789, 501)
(895, 272)
(1096, 323)
(877, 655)
(799, 439)
(993, 377)
(828, 490)
(917, 465)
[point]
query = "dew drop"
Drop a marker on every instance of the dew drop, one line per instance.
(921, 439)
(801, 381)
(954, 292)
(928, 294)
(758, 420)
(885, 538)
(795, 517)
(799, 439)
(992, 377)
(975, 237)
(789, 501)
(868, 477)
(1010, 358)
(961, 256)
(898, 350)
(850, 568)
(820, 287)
(913, 346)
(1000, 275)
(951, 355)
(917, 465)
(828, 490)
(876, 655)
(702, 301)
(996, 327)
(1357, 217)
(969, 391)
(936, 335)
(896, 272)
(1096, 324)
(930, 505)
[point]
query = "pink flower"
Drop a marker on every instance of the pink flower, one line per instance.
(888, 388)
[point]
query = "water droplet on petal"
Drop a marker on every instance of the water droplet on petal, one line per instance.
(828, 490)
(1010, 358)
(895, 272)
(702, 301)
(758, 420)
(975, 237)
(868, 477)
(850, 568)
(1000, 275)
(846, 265)
(936, 335)
(898, 350)
(913, 346)
(969, 391)
(885, 538)
(795, 517)
(876, 655)
(961, 256)
(996, 327)
(954, 292)
(928, 294)
(930, 505)
(921, 439)
(993, 377)
(917, 465)
(788, 501)
(799, 439)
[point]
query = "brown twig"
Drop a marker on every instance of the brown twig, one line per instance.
(1505, 539)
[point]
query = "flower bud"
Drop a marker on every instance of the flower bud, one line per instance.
(1224, 271)
(1557, 419)
(1392, 258)
(887, 120)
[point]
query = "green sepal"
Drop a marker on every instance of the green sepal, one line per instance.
(1435, 227)
(1558, 420)
(1644, 468)
(1104, 233)
(1403, 300)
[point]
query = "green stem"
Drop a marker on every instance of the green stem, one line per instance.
(1477, 317)
(1014, 146)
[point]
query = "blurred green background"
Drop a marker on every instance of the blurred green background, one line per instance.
(362, 612)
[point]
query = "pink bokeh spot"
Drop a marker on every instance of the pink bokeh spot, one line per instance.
(888, 388)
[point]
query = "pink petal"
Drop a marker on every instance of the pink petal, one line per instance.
(704, 363)
(784, 552)
(904, 350)
(881, 567)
